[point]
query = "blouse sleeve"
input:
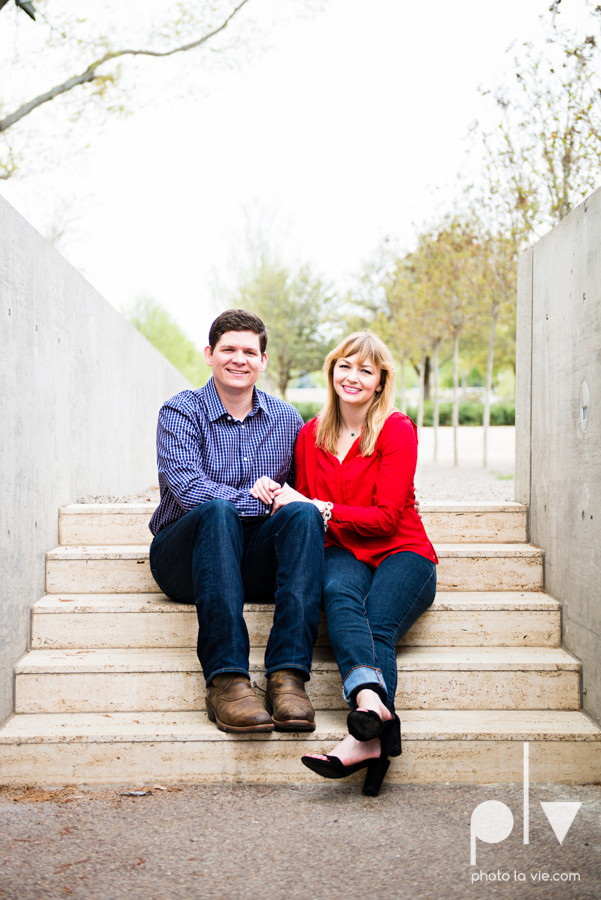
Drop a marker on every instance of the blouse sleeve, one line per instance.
(300, 468)
(397, 446)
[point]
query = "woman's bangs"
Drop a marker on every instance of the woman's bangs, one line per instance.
(369, 351)
(364, 347)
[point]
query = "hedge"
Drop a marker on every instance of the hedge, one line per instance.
(469, 413)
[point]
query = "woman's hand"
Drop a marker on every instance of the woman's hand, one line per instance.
(286, 495)
(264, 489)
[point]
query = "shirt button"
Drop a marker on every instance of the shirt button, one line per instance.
(229, 418)
(245, 459)
(338, 521)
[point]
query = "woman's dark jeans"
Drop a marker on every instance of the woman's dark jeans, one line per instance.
(214, 558)
(370, 610)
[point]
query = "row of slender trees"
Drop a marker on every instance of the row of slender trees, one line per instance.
(457, 284)
(540, 157)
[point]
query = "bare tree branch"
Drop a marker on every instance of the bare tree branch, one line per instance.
(90, 72)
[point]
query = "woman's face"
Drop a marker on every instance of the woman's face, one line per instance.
(356, 384)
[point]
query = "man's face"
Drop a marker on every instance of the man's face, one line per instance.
(236, 360)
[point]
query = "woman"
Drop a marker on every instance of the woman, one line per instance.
(357, 461)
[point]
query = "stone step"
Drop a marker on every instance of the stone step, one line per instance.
(456, 618)
(125, 569)
(469, 746)
(122, 680)
(127, 523)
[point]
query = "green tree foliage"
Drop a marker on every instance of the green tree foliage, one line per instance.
(298, 310)
(457, 286)
(154, 322)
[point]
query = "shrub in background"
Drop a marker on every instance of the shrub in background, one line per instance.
(308, 410)
(469, 413)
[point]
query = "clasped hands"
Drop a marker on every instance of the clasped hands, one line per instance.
(272, 494)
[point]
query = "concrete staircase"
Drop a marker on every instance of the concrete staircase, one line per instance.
(111, 690)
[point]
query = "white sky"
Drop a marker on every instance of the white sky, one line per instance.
(353, 126)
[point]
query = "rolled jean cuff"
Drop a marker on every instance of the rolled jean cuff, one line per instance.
(362, 676)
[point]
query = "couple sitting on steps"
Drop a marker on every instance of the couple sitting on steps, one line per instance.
(247, 496)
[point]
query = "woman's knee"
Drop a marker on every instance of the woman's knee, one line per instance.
(340, 596)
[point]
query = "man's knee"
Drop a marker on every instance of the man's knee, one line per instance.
(219, 508)
(302, 515)
(216, 515)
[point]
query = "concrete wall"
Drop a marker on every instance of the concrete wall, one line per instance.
(81, 389)
(558, 464)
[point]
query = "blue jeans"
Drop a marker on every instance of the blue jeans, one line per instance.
(368, 611)
(214, 558)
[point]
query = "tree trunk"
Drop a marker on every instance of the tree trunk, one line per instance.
(486, 416)
(283, 382)
(420, 408)
(403, 389)
(435, 410)
(427, 378)
(455, 395)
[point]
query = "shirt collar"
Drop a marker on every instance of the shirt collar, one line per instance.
(216, 409)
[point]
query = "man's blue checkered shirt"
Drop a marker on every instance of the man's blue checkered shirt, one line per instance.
(203, 453)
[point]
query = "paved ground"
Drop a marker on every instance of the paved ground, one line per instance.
(465, 482)
(469, 480)
(322, 842)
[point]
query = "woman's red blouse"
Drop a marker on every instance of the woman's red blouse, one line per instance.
(374, 502)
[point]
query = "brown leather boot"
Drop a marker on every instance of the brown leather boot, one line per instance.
(232, 704)
(286, 700)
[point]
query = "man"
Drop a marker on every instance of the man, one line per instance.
(222, 452)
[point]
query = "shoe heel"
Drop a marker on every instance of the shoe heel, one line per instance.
(375, 776)
(364, 725)
(390, 738)
(210, 713)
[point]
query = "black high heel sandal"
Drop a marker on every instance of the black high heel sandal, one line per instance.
(331, 767)
(365, 725)
(390, 737)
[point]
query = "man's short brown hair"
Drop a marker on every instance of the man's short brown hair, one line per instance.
(237, 320)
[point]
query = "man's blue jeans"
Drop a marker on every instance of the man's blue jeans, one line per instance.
(369, 611)
(214, 558)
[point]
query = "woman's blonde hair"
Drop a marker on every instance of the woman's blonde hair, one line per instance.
(369, 347)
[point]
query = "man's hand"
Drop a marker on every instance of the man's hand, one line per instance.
(286, 495)
(416, 507)
(264, 489)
